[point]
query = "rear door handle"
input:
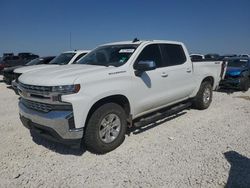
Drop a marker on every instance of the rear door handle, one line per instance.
(164, 75)
(188, 71)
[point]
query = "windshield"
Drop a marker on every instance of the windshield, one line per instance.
(237, 63)
(113, 55)
(63, 59)
(34, 61)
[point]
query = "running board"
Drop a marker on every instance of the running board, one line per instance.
(160, 115)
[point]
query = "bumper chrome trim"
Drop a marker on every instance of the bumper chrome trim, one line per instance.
(55, 120)
(14, 84)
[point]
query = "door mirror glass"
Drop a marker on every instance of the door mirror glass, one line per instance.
(143, 66)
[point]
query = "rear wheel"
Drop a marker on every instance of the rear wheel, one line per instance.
(106, 128)
(244, 84)
(204, 96)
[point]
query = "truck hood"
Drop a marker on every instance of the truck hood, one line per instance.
(59, 75)
(234, 71)
(32, 68)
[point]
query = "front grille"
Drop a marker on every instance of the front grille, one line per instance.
(36, 89)
(42, 107)
(232, 76)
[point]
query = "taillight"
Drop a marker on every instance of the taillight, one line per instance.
(223, 66)
(2, 66)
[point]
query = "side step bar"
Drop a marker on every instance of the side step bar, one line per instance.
(160, 115)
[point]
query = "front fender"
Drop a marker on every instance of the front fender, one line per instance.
(83, 103)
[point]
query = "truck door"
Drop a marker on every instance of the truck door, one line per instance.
(150, 87)
(179, 83)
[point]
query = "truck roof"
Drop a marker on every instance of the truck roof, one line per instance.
(77, 51)
(142, 41)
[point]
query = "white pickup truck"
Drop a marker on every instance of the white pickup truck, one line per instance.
(115, 86)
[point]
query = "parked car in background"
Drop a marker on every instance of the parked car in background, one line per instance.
(244, 55)
(20, 59)
(4, 56)
(8, 54)
(197, 57)
(237, 74)
(1, 65)
(7, 60)
(27, 55)
(226, 56)
(115, 86)
(8, 73)
(65, 58)
(212, 56)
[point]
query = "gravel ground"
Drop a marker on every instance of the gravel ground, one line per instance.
(209, 148)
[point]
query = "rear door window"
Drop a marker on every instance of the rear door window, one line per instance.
(173, 54)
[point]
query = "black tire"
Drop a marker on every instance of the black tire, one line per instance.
(7, 81)
(244, 84)
(92, 139)
(200, 101)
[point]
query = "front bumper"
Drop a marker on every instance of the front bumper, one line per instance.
(231, 83)
(14, 85)
(53, 125)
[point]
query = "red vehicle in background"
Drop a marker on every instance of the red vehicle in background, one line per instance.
(10, 60)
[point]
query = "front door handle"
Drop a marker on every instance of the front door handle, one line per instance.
(164, 75)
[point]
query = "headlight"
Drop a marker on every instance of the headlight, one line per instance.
(66, 89)
(236, 73)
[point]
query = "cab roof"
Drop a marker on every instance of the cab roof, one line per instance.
(77, 51)
(141, 42)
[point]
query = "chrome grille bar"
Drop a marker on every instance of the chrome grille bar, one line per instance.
(36, 89)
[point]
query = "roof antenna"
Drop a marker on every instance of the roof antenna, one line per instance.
(136, 40)
(70, 40)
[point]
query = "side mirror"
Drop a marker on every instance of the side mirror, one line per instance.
(143, 66)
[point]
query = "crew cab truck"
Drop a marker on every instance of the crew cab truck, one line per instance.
(110, 88)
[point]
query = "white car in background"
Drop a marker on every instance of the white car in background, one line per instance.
(197, 57)
(245, 55)
(65, 58)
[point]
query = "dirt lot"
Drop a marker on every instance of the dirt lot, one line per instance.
(208, 148)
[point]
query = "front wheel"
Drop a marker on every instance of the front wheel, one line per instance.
(106, 128)
(204, 96)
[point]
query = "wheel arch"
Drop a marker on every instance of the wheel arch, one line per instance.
(209, 79)
(119, 99)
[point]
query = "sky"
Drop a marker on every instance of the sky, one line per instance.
(44, 27)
